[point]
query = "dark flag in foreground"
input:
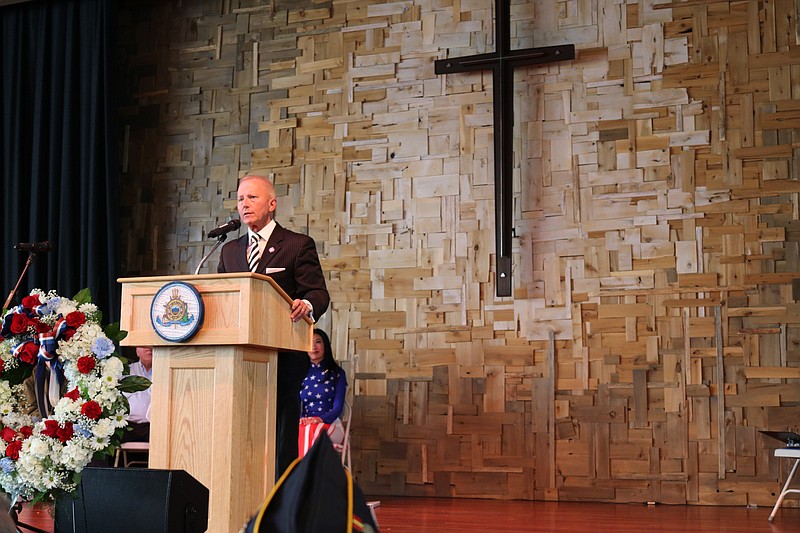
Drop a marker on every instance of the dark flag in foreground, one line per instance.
(316, 494)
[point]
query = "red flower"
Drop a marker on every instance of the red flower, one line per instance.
(50, 428)
(40, 327)
(13, 448)
(19, 323)
(65, 433)
(31, 301)
(91, 410)
(73, 395)
(86, 364)
(2, 365)
(7, 434)
(75, 319)
(28, 353)
(53, 430)
(68, 333)
(26, 431)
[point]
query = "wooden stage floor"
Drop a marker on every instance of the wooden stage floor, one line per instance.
(442, 515)
(438, 515)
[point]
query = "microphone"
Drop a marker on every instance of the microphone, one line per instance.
(224, 229)
(34, 247)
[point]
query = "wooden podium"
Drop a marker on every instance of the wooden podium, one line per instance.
(213, 396)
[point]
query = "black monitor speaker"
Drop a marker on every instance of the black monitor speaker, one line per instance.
(134, 500)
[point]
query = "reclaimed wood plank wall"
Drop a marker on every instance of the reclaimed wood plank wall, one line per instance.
(654, 325)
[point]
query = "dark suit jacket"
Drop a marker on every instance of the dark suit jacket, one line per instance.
(296, 253)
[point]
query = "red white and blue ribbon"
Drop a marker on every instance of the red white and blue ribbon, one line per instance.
(47, 362)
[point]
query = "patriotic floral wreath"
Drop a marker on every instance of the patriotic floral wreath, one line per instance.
(41, 458)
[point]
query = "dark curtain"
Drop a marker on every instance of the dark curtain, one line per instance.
(58, 148)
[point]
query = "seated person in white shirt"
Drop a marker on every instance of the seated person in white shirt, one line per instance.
(139, 419)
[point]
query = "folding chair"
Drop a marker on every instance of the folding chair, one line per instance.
(344, 448)
(792, 453)
(131, 447)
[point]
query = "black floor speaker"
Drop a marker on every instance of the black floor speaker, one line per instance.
(134, 500)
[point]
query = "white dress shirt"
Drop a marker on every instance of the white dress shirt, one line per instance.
(140, 401)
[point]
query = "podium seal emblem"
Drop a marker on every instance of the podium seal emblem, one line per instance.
(176, 311)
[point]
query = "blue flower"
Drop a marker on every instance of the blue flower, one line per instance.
(52, 304)
(7, 465)
(102, 347)
(82, 430)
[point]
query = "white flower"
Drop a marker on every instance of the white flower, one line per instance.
(107, 398)
(88, 308)
(112, 367)
(38, 447)
(76, 454)
(66, 306)
(66, 410)
(52, 480)
(43, 297)
(93, 387)
(120, 419)
(103, 428)
(17, 420)
(98, 443)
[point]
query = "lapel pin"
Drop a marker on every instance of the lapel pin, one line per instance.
(272, 249)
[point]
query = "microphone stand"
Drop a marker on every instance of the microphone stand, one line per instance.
(16, 287)
(220, 240)
(16, 507)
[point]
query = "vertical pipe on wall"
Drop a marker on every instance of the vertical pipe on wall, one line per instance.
(720, 390)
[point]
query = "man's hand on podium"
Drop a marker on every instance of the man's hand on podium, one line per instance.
(300, 309)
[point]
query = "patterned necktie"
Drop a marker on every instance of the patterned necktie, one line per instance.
(252, 253)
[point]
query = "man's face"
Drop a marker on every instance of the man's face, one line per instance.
(145, 355)
(256, 203)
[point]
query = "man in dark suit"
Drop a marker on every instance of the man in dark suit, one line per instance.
(291, 260)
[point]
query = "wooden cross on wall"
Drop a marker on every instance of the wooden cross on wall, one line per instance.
(502, 63)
